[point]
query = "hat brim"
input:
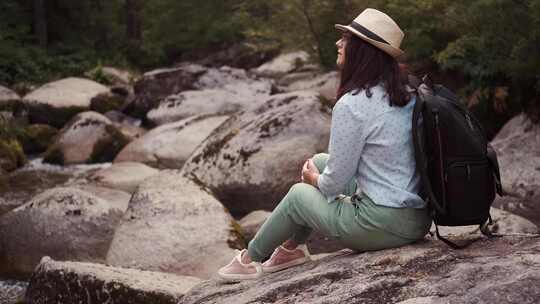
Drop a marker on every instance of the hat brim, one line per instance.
(387, 48)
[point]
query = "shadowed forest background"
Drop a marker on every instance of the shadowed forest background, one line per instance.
(488, 50)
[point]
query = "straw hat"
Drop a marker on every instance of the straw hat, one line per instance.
(378, 29)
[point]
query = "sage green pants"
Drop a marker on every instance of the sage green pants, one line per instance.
(357, 223)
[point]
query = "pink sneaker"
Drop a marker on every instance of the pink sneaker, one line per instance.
(284, 258)
(237, 271)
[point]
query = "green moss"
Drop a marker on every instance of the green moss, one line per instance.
(37, 138)
(106, 102)
(237, 239)
(11, 155)
(106, 149)
(46, 114)
(54, 155)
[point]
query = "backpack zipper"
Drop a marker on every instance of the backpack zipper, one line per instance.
(441, 165)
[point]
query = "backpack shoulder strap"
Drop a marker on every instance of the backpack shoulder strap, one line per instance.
(420, 154)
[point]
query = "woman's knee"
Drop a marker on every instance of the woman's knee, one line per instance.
(320, 160)
(301, 193)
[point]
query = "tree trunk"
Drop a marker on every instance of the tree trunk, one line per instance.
(40, 22)
(133, 23)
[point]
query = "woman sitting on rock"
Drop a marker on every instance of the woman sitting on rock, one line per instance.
(367, 194)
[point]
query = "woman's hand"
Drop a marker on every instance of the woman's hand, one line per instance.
(310, 173)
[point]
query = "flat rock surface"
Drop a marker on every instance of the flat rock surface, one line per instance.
(500, 270)
(68, 92)
(170, 145)
(76, 282)
(125, 176)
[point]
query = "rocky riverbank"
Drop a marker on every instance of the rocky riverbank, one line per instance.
(140, 191)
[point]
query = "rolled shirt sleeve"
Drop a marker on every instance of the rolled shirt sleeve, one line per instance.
(345, 147)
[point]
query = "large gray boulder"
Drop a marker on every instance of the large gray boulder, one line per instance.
(221, 91)
(125, 176)
(251, 161)
(88, 138)
(283, 64)
(170, 145)
(7, 95)
(57, 102)
(518, 149)
(64, 223)
(174, 225)
(76, 282)
(155, 85)
(502, 270)
(325, 84)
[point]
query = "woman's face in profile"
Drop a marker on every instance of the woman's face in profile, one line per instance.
(341, 45)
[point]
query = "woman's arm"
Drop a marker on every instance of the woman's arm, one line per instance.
(346, 144)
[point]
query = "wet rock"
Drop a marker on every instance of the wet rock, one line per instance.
(155, 85)
(170, 145)
(283, 64)
(251, 160)
(501, 270)
(174, 225)
(88, 138)
(125, 176)
(64, 223)
(518, 149)
(222, 91)
(57, 102)
(76, 282)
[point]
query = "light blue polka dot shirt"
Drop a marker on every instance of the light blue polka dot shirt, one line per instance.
(372, 142)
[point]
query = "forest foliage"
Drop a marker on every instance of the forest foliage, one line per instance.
(490, 43)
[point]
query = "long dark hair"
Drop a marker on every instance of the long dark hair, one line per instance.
(367, 66)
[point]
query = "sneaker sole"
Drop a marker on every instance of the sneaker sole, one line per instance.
(270, 269)
(239, 277)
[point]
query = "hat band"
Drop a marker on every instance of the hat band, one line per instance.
(367, 33)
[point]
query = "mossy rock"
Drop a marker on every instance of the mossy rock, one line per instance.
(54, 155)
(106, 102)
(11, 155)
(106, 149)
(40, 113)
(37, 138)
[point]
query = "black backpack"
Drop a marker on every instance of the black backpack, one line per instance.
(458, 168)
